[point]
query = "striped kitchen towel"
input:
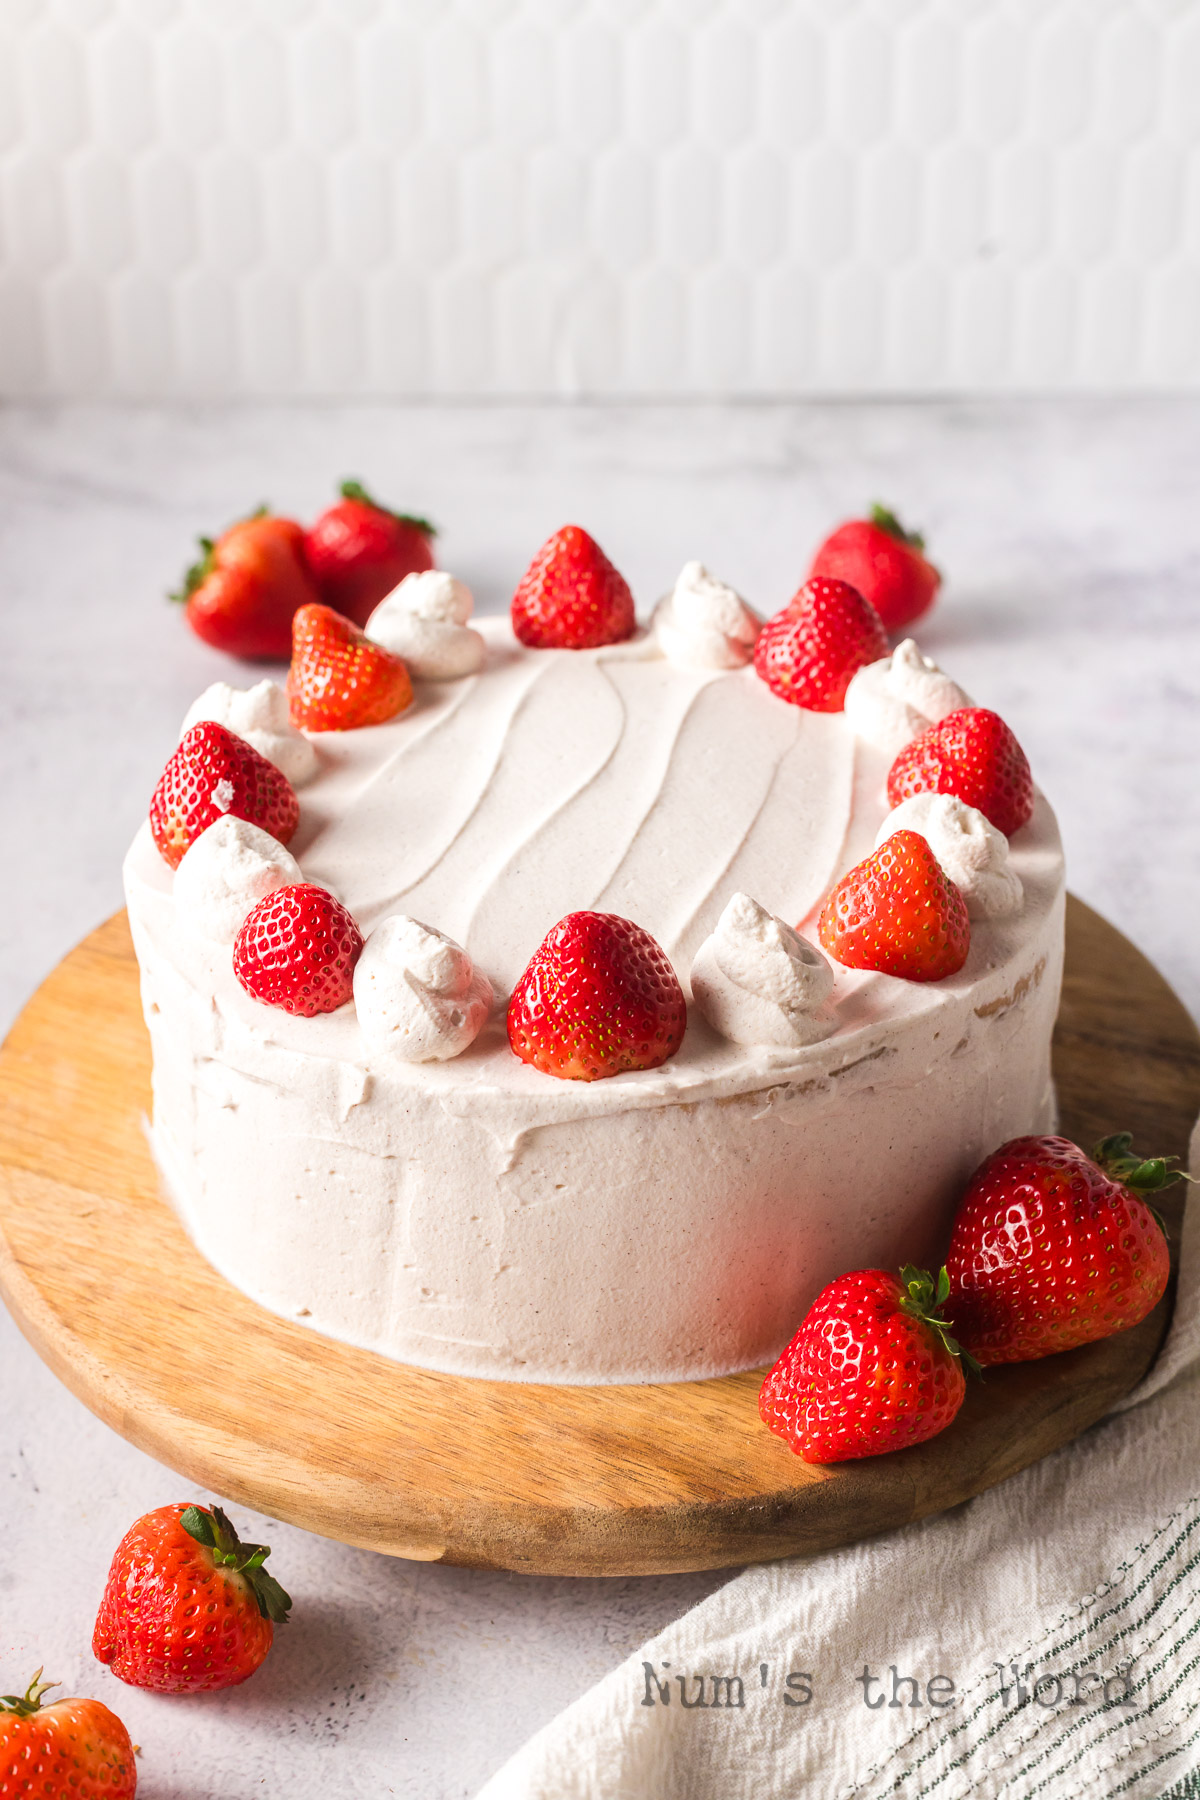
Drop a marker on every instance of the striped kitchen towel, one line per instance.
(1041, 1642)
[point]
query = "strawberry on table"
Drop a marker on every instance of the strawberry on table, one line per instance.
(899, 913)
(571, 597)
(810, 651)
(885, 563)
(68, 1750)
(339, 680)
(297, 950)
(599, 997)
(1052, 1248)
(358, 551)
(188, 1607)
(242, 593)
(873, 1368)
(215, 774)
(973, 755)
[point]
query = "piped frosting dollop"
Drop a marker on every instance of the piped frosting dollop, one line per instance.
(260, 716)
(892, 701)
(703, 624)
(226, 872)
(757, 981)
(972, 852)
(424, 621)
(418, 995)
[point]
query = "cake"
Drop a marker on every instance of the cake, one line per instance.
(469, 1213)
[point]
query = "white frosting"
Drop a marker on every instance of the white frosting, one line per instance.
(260, 716)
(972, 852)
(892, 701)
(418, 994)
(229, 869)
(759, 982)
(424, 620)
(703, 624)
(479, 1216)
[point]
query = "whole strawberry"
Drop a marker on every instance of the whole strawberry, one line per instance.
(358, 551)
(1052, 1248)
(571, 597)
(241, 595)
(297, 950)
(599, 997)
(809, 652)
(973, 755)
(69, 1750)
(188, 1607)
(897, 912)
(873, 1368)
(214, 774)
(339, 680)
(885, 563)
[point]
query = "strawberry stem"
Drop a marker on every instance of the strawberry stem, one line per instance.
(924, 1299)
(26, 1704)
(885, 518)
(216, 1531)
(1145, 1175)
(354, 490)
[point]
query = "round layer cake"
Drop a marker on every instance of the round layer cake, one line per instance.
(478, 1216)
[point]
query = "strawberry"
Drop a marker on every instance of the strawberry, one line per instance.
(188, 1607)
(358, 551)
(599, 997)
(972, 754)
(897, 912)
(212, 773)
(885, 563)
(69, 1750)
(872, 1368)
(297, 950)
(243, 591)
(1052, 1248)
(809, 651)
(339, 680)
(571, 597)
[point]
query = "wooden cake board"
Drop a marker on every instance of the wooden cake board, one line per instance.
(108, 1288)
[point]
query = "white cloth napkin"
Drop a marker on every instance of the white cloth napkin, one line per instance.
(1063, 1606)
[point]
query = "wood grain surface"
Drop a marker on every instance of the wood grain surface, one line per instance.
(108, 1288)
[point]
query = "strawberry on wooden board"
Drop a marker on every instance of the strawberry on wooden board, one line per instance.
(339, 680)
(242, 593)
(571, 597)
(885, 563)
(599, 997)
(810, 651)
(873, 1368)
(973, 755)
(215, 774)
(297, 950)
(1052, 1248)
(899, 913)
(188, 1607)
(68, 1750)
(358, 551)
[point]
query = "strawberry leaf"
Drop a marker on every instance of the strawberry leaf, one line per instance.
(199, 1524)
(1145, 1175)
(886, 520)
(354, 490)
(923, 1300)
(26, 1704)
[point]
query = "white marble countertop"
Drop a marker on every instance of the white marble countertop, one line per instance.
(1071, 540)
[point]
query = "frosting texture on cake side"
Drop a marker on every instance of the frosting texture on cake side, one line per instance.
(475, 1215)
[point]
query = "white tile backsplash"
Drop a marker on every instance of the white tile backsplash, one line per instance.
(597, 197)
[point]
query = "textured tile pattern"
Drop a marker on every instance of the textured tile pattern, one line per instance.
(406, 197)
